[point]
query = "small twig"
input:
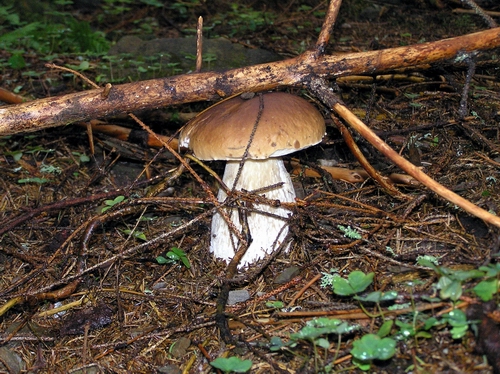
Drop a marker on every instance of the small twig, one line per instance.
(359, 313)
(303, 289)
(61, 293)
(250, 140)
(9, 223)
(208, 170)
(268, 295)
(106, 91)
(83, 77)
(471, 68)
(199, 44)
(490, 21)
(384, 182)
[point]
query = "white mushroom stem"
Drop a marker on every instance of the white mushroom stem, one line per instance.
(264, 229)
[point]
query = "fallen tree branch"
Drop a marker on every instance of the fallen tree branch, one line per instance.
(91, 104)
(319, 88)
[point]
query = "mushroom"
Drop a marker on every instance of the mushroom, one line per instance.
(287, 124)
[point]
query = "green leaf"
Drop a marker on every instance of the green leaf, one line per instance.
(372, 347)
(111, 203)
(172, 256)
(356, 282)
(428, 261)
(19, 33)
(155, 3)
(362, 365)
(275, 344)
(350, 232)
(275, 304)
(135, 234)
(181, 256)
(16, 61)
(359, 281)
(377, 296)
(385, 329)
(162, 260)
(459, 332)
(33, 180)
(16, 155)
(486, 289)
(456, 318)
(234, 364)
(322, 326)
(84, 65)
(492, 270)
(186, 262)
(177, 251)
(423, 334)
(463, 275)
(431, 322)
(450, 289)
(82, 156)
(323, 343)
(406, 330)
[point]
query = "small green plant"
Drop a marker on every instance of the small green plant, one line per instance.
(458, 321)
(111, 203)
(82, 157)
(355, 283)
(349, 232)
(35, 180)
(50, 169)
(52, 32)
(316, 332)
(372, 347)
(136, 234)
(175, 255)
(16, 155)
(450, 281)
(243, 19)
(275, 304)
(413, 325)
(232, 364)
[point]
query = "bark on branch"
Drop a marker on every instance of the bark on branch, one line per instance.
(81, 106)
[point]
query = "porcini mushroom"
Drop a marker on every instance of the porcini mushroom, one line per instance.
(287, 124)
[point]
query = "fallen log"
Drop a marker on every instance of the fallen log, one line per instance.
(91, 104)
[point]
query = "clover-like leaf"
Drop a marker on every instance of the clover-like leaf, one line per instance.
(232, 364)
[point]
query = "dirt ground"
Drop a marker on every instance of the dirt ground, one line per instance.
(82, 291)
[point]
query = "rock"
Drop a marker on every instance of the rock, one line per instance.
(287, 275)
(169, 369)
(238, 296)
(179, 348)
(10, 361)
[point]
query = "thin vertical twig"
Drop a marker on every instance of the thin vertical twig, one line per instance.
(199, 44)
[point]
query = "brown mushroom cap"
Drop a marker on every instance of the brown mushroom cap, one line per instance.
(288, 123)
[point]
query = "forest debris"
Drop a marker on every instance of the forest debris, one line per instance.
(95, 317)
(488, 334)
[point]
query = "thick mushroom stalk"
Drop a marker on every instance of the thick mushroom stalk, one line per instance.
(258, 130)
(266, 231)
